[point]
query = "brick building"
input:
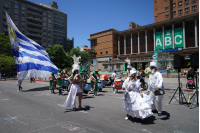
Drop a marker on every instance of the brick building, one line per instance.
(170, 9)
(138, 43)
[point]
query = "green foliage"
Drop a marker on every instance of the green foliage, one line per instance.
(64, 60)
(57, 55)
(5, 47)
(6, 62)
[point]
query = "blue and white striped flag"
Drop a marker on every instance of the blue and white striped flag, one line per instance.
(30, 58)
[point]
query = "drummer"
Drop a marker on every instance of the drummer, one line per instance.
(114, 76)
(66, 74)
(94, 81)
(85, 75)
(97, 74)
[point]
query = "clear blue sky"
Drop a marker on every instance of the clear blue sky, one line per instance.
(86, 17)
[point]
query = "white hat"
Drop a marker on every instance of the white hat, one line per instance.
(153, 64)
(129, 66)
(76, 63)
(131, 72)
(75, 67)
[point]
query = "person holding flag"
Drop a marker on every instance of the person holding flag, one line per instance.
(31, 60)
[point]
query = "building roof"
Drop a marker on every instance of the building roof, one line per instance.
(85, 47)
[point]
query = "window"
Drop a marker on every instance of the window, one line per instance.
(49, 36)
(44, 35)
(23, 26)
(179, 3)
(16, 13)
(44, 25)
(180, 11)
(44, 40)
(151, 36)
(132, 40)
(49, 26)
(143, 38)
(45, 14)
(187, 9)
(190, 30)
(174, 12)
(191, 45)
(186, 1)
(23, 8)
(174, 5)
(44, 30)
(194, 7)
(16, 19)
(23, 15)
(167, 15)
(49, 16)
(49, 21)
(23, 20)
(16, 6)
(136, 39)
(166, 0)
(44, 20)
(118, 66)
(49, 41)
(100, 52)
(167, 7)
(6, 5)
(49, 31)
(194, 1)
(106, 52)
(15, 2)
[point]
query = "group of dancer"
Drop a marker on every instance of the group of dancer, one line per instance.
(135, 102)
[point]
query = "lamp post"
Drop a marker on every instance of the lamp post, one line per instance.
(110, 63)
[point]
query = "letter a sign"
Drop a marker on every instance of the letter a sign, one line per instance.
(159, 42)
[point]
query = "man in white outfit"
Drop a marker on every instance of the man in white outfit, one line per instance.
(114, 76)
(155, 83)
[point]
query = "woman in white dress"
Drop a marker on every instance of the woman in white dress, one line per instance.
(74, 90)
(135, 103)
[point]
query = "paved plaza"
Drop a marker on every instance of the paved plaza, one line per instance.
(35, 110)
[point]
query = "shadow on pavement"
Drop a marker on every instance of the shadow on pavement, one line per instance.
(85, 108)
(37, 89)
(149, 120)
(165, 115)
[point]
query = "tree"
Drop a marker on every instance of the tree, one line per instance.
(57, 55)
(5, 47)
(6, 62)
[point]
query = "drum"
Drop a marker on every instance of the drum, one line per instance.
(118, 84)
(103, 83)
(100, 85)
(87, 86)
(104, 77)
(65, 83)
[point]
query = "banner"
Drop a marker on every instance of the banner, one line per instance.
(168, 39)
(156, 53)
(159, 40)
(178, 37)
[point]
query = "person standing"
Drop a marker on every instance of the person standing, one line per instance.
(52, 83)
(94, 83)
(168, 71)
(135, 103)
(19, 83)
(129, 67)
(155, 83)
(59, 82)
(114, 77)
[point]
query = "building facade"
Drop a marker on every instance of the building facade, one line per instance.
(138, 43)
(170, 9)
(42, 23)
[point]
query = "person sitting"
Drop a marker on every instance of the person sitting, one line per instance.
(191, 73)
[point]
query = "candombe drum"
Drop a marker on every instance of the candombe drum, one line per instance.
(65, 83)
(118, 84)
(103, 82)
(100, 85)
(105, 77)
(87, 86)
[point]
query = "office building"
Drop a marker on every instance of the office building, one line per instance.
(42, 23)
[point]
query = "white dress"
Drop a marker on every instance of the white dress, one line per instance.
(133, 103)
(72, 95)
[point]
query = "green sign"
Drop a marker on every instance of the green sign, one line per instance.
(159, 40)
(156, 53)
(168, 39)
(178, 37)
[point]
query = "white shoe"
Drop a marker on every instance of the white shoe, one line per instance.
(126, 118)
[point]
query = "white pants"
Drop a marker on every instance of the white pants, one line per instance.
(19, 83)
(159, 99)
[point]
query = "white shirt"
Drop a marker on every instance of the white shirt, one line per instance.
(115, 75)
(155, 81)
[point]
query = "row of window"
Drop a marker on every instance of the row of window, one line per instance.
(187, 9)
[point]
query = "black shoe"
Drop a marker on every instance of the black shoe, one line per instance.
(159, 114)
(154, 111)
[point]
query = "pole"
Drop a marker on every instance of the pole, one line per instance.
(137, 63)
